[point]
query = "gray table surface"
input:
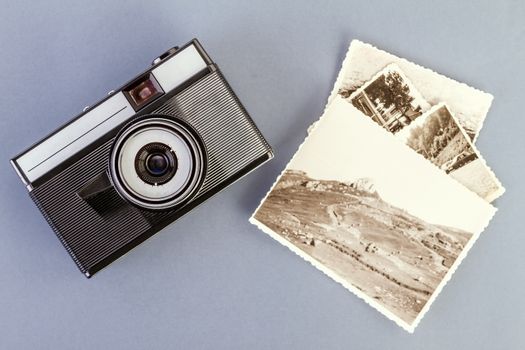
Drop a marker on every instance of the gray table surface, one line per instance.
(212, 280)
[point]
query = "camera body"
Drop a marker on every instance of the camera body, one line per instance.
(142, 157)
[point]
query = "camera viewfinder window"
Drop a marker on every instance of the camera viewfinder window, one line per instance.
(144, 91)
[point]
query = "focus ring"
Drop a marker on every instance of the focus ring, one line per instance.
(145, 172)
(169, 139)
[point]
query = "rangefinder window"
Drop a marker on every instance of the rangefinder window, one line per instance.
(144, 91)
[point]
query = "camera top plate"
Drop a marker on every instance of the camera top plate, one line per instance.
(175, 67)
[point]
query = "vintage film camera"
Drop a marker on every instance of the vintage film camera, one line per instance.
(142, 157)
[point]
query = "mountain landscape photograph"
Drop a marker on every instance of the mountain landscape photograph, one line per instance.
(372, 214)
(438, 137)
(388, 254)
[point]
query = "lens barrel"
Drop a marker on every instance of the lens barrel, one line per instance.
(158, 162)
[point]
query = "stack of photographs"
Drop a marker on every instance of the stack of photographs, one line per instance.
(388, 192)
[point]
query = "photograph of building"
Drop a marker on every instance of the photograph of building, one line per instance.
(390, 100)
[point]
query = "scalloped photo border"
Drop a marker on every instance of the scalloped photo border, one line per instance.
(496, 188)
(423, 163)
(468, 104)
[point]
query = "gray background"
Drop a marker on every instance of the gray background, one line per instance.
(212, 280)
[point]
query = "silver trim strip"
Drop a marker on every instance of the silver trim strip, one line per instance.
(96, 122)
(74, 137)
(179, 68)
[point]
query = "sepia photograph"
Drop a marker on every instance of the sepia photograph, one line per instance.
(363, 61)
(390, 100)
(355, 203)
(438, 137)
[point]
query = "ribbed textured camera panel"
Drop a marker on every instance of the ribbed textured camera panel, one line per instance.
(90, 234)
(231, 139)
(87, 236)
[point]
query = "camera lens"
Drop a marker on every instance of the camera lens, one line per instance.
(158, 162)
(155, 163)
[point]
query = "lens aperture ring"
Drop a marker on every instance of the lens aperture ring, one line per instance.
(156, 163)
